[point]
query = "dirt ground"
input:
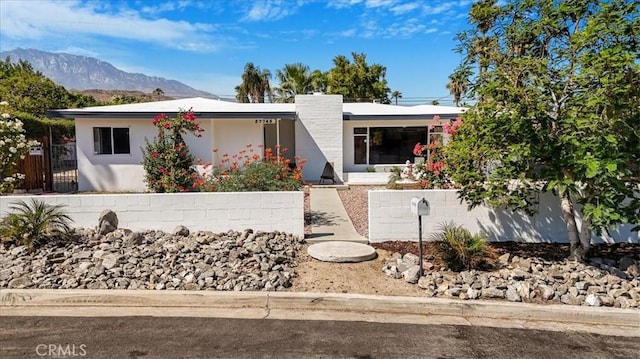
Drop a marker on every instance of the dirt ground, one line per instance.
(362, 278)
(368, 277)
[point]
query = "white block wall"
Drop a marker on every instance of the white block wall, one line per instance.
(390, 218)
(319, 133)
(217, 212)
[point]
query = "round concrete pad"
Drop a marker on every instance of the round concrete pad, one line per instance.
(342, 252)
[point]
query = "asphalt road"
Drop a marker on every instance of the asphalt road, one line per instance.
(151, 337)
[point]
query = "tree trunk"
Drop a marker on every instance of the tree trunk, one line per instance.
(585, 236)
(577, 250)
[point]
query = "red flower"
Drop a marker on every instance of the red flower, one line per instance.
(417, 150)
(159, 118)
(189, 116)
(154, 155)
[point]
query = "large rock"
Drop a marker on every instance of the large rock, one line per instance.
(108, 222)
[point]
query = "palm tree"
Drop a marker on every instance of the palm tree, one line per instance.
(34, 222)
(255, 85)
(458, 83)
(319, 81)
(294, 79)
(396, 95)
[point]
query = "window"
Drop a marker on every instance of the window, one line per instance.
(394, 145)
(108, 141)
(360, 145)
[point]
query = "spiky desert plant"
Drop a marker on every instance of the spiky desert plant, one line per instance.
(459, 248)
(33, 223)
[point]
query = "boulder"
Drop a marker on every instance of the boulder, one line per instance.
(181, 231)
(108, 222)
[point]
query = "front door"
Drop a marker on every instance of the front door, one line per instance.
(287, 138)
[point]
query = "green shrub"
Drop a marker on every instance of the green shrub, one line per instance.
(32, 224)
(248, 171)
(459, 248)
(394, 177)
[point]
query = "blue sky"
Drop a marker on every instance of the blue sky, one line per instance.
(206, 43)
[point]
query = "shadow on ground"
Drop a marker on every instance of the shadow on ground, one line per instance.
(319, 218)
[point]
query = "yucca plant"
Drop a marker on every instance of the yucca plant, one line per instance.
(35, 222)
(459, 248)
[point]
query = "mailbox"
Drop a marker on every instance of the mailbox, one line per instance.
(420, 206)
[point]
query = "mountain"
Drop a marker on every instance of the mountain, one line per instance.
(76, 72)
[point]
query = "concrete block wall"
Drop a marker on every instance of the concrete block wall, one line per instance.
(217, 212)
(319, 133)
(390, 218)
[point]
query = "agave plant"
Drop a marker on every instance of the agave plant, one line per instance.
(459, 248)
(33, 223)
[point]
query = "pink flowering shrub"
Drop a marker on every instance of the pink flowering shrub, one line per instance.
(167, 162)
(433, 173)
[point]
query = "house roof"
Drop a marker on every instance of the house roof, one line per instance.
(215, 108)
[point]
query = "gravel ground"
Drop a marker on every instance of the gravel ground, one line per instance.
(356, 202)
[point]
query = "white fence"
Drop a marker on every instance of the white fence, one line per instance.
(390, 218)
(217, 212)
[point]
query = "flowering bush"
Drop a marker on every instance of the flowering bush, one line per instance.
(433, 173)
(248, 171)
(167, 162)
(13, 147)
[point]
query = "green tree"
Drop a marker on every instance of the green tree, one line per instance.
(255, 85)
(27, 90)
(358, 81)
(395, 95)
(458, 84)
(30, 95)
(295, 79)
(556, 93)
(319, 81)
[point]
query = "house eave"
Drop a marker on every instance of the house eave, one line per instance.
(150, 115)
(352, 117)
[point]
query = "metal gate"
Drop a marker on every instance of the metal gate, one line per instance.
(64, 167)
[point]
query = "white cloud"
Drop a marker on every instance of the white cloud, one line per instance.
(343, 4)
(161, 7)
(379, 3)
(439, 9)
(20, 20)
(74, 50)
(270, 10)
(405, 8)
(348, 33)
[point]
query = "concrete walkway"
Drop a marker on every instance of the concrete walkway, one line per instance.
(330, 221)
(317, 306)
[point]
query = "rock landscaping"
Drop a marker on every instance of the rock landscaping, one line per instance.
(601, 282)
(122, 259)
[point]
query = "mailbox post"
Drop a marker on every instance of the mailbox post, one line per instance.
(420, 207)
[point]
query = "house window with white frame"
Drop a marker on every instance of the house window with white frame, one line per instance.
(111, 140)
(386, 145)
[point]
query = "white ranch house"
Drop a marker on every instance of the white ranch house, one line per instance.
(320, 128)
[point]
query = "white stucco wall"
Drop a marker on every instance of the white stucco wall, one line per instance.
(124, 172)
(217, 212)
(319, 134)
(231, 136)
(390, 218)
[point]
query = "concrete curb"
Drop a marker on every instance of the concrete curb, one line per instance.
(317, 306)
